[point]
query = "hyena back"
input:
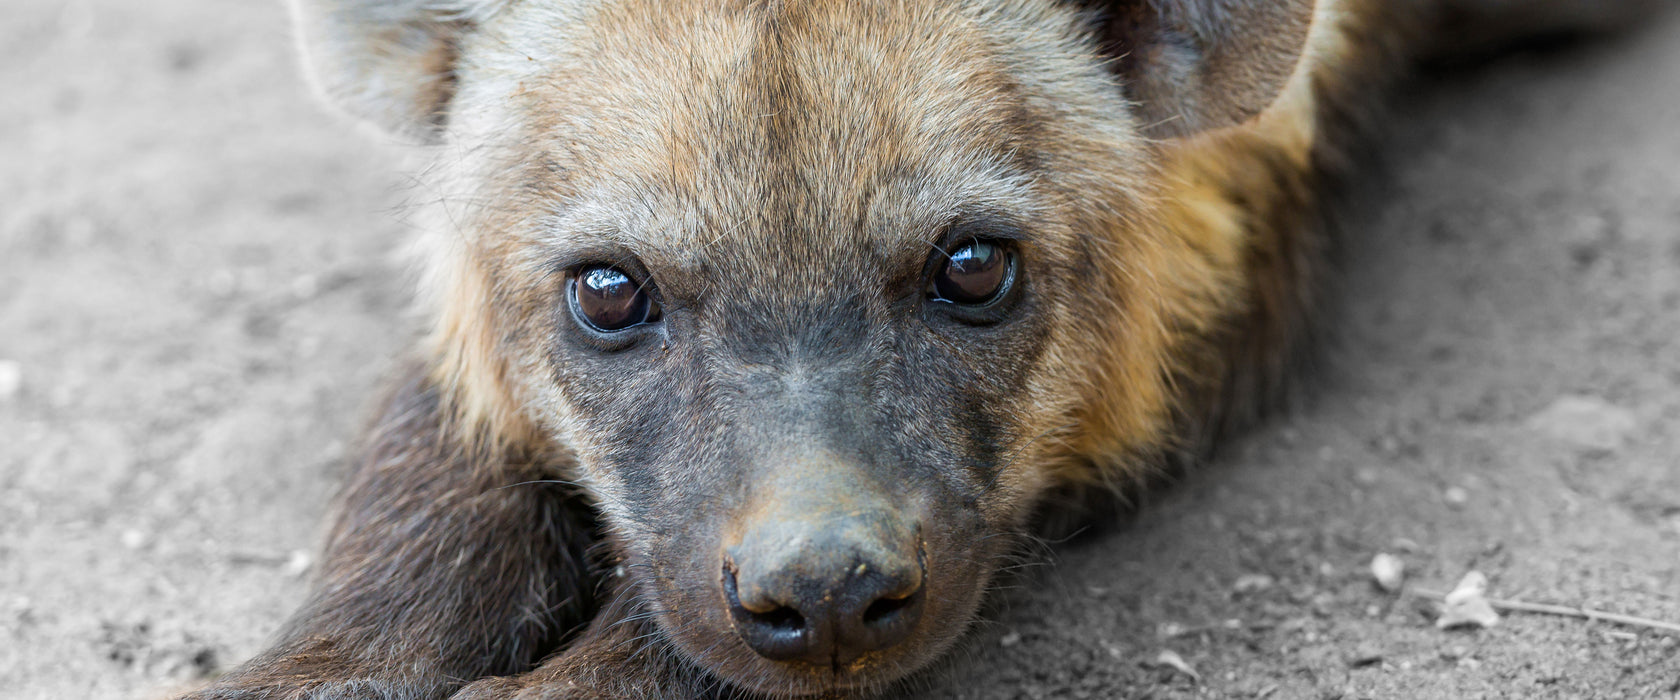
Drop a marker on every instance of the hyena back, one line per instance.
(763, 327)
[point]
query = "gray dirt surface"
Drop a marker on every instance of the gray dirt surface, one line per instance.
(198, 296)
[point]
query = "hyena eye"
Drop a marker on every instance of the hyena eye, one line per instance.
(976, 273)
(608, 300)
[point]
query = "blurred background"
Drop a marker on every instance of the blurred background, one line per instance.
(199, 293)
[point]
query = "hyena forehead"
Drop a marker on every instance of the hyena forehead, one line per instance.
(811, 128)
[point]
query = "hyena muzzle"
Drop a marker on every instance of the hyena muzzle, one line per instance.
(763, 328)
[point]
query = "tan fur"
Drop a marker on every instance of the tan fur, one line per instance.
(783, 175)
(1175, 251)
(1178, 219)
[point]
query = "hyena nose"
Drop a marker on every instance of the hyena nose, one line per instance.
(828, 596)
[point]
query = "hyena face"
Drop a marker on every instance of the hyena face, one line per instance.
(793, 288)
(818, 296)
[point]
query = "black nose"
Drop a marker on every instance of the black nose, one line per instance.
(828, 615)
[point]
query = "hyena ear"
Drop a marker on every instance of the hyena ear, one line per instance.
(1194, 65)
(390, 62)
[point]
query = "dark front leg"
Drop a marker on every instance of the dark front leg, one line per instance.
(444, 565)
(622, 655)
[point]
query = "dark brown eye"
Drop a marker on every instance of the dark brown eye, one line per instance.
(609, 300)
(976, 273)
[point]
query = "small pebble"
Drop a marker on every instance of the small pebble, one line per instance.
(1170, 659)
(1467, 604)
(1365, 655)
(1253, 583)
(11, 379)
(1585, 422)
(297, 563)
(1009, 640)
(1456, 496)
(134, 539)
(1389, 571)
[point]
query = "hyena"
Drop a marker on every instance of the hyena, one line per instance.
(763, 329)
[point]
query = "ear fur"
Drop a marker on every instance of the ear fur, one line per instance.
(390, 62)
(1194, 65)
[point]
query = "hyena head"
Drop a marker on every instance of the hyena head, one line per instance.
(819, 296)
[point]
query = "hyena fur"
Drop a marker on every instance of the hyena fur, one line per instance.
(762, 329)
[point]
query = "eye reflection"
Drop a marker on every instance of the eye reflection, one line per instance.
(975, 273)
(609, 300)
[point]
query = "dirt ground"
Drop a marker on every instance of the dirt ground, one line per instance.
(199, 291)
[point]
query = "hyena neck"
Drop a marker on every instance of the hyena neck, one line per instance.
(1258, 200)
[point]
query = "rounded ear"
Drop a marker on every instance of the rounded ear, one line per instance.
(1194, 65)
(390, 62)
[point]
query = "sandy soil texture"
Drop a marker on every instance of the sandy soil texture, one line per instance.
(199, 292)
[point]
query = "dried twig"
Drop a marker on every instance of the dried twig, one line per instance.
(1565, 611)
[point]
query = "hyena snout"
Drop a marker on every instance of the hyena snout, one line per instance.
(825, 579)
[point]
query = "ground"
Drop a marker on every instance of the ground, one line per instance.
(199, 291)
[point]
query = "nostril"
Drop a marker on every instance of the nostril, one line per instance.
(780, 633)
(884, 622)
(783, 619)
(880, 611)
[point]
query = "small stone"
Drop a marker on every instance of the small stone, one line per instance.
(1170, 659)
(1467, 604)
(1388, 571)
(1365, 655)
(1586, 423)
(1252, 583)
(1114, 650)
(297, 563)
(11, 379)
(1456, 496)
(1009, 640)
(134, 539)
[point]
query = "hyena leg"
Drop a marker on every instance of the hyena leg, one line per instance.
(1476, 26)
(621, 655)
(445, 565)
